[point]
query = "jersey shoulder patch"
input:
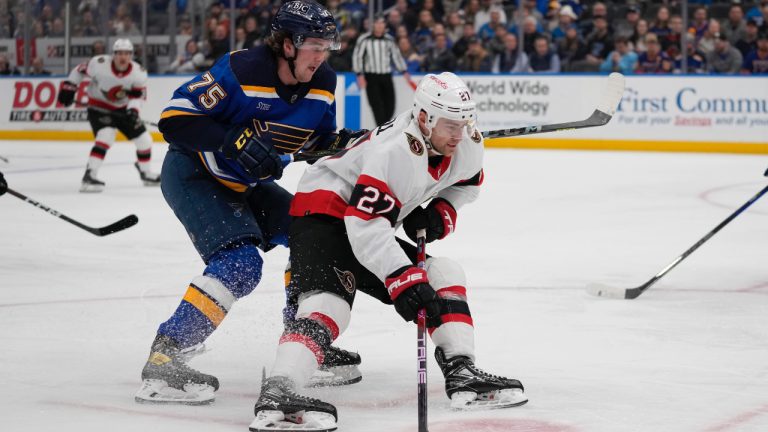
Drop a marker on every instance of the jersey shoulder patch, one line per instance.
(476, 136)
(416, 146)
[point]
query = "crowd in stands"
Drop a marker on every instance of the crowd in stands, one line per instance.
(487, 36)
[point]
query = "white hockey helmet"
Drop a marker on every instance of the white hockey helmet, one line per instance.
(122, 45)
(444, 96)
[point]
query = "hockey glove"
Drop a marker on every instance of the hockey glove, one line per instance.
(3, 184)
(132, 117)
(67, 93)
(439, 219)
(340, 139)
(409, 289)
(259, 159)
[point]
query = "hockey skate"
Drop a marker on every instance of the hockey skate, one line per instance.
(91, 183)
(166, 378)
(147, 177)
(280, 408)
(471, 388)
(340, 367)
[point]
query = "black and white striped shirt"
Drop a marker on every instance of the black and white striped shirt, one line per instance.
(376, 55)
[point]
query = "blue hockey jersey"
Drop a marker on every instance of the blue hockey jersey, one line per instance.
(243, 88)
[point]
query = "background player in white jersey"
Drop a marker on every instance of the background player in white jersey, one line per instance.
(116, 92)
(342, 239)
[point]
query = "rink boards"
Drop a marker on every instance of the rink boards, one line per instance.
(658, 113)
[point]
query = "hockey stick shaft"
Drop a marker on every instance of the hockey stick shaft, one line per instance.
(120, 225)
(421, 336)
(633, 293)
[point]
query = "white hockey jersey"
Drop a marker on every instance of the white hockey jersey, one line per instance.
(108, 88)
(379, 179)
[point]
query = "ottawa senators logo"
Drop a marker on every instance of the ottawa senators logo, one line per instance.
(415, 145)
(476, 136)
(347, 279)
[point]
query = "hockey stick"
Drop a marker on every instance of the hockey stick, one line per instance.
(602, 290)
(421, 336)
(606, 108)
(120, 225)
(609, 101)
(4, 159)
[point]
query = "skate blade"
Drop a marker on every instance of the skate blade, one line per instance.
(335, 376)
(89, 188)
(507, 398)
(309, 421)
(158, 392)
(151, 182)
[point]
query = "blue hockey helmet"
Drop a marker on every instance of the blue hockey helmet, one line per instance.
(303, 19)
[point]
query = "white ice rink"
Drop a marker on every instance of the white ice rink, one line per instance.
(78, 312)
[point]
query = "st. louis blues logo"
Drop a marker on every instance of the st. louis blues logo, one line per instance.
(347, 279)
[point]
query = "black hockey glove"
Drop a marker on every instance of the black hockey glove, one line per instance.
(409, 289)
(67, 93)
(339, 140)
(439, 219)
(257, 158)
(132, 117)
(3, 184)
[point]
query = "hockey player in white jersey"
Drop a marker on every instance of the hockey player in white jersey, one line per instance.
(342, 239)
(116, 92)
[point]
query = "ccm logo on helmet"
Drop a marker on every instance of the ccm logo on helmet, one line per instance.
(439, 82)
(408, 280)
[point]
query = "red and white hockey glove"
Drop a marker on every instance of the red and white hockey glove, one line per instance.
(67, 93)
(439, 219)
(409, 289)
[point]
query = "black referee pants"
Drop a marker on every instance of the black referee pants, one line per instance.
(381, 96)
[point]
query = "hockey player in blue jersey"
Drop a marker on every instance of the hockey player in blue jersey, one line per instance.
(227, 129)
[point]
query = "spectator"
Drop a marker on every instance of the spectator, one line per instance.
(530, 33)
(454, 28)
(696, 62)
(699, 24)
(411, 56)
(451, 6)
(57, 28)
(756, 62)
(621, 59)
(435, 9)
(439, 58)
(98, 48)
(483, 15)
(599, 44)
(341, 60)
(240, 39)
(587, 26)
(192, 60)
(422, 35)
(571, 49)
(566, 19)
(707, 41)
(764, 18)
(496, 45)
(756, 12)
(675, 33)
(528, 9)
(660, 26)
(263, 11)
(735, 27)
(724, 59)
(626, 27)
(476, 59)
(185, 27)
(749, 42)
(544, 59)
(86, 27)
(37, 69)
(252, 33)
(394, 20)
(460, 46)
(5, 66)
(138, 57)
(488, 30)
(218, 43)
(469, 13)
(650, 61)
(638, 37)
(125, 27)
(409, 14)
(511, 59)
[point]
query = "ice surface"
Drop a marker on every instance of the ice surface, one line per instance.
(78, 312)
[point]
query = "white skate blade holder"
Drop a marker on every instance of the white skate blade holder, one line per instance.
(158, 392)
(309, 421)
(470, 401)
(335, 376)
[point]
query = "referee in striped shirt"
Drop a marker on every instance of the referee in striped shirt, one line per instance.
(372, 62)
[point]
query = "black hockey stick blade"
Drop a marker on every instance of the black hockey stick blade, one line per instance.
(602, 290)
(606, 108)
(120, 225)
